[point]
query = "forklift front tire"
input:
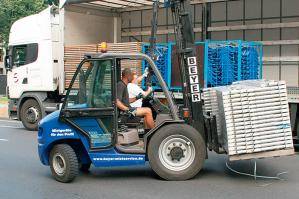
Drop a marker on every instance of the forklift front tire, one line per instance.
(176, 152)
(64, 163)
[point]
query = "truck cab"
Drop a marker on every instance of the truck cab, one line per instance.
(38, 74)
(33, 69)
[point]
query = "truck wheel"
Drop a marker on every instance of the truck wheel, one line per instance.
(64, 163)
(177, 152)
(31, 114)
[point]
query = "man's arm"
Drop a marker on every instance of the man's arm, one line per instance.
(121, 106)
(139, 79)
(135, 92)
(134, 99)
(132, 111)
(119, 94)
(149, 90)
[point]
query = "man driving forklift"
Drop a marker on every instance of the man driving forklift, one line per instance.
(123, 101)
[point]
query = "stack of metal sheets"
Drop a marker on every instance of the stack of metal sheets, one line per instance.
(252, 116)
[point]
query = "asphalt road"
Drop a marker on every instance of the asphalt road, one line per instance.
(23, 176)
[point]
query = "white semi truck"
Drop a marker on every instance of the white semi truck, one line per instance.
(35, 60)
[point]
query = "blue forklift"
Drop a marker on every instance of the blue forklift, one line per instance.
(89, 128)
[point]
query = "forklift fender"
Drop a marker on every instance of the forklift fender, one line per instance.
(75, 143)
(148, 136)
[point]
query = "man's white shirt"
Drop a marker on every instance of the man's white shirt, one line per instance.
(134, 90)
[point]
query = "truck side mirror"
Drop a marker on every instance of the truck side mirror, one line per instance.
(8, 62)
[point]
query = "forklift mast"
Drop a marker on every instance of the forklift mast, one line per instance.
(154, 22)
(153, 40)
(185, 43)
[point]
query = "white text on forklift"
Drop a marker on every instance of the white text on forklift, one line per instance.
(194, 79)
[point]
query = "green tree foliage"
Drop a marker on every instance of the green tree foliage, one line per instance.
(12, 10)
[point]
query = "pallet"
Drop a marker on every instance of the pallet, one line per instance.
(260, 155)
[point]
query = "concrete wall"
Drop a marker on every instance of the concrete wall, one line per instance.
(89, 26)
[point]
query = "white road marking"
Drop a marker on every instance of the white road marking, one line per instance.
(4, 140)
(10, 121)
(12, 127)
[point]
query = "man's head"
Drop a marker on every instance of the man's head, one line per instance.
(127, 75)
(135, 77)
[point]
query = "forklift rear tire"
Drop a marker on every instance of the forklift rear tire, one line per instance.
(30, 114)
(176, 152)
(64, 163)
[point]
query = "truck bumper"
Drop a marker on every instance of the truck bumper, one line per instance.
(13, 108)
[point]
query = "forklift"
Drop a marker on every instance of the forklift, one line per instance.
(89, 128)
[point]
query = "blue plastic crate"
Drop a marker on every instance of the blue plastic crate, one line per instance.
(230, 61)
(163, 62)
(224, 62)
(251, 61)
(221, 64)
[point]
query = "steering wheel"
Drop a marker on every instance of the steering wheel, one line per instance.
(150, 96)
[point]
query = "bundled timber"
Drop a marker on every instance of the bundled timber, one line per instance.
(127, 47)
(74, 54)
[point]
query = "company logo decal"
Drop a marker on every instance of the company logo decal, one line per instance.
(61, 132)
(15, 77)
(119, 159)
(194, 79)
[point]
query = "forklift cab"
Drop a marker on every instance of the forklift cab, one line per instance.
(90, 105)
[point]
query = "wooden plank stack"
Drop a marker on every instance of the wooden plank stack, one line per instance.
(133, 47)
(252, 117)
(74, 54)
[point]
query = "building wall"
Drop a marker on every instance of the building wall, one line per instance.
(276, 22)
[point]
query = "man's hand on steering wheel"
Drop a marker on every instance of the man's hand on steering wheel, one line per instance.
(132, 112)
(139, 96)
(150, 94)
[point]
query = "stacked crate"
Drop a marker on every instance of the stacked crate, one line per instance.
(127, 47)
(252, 118)
(231, 61)
(162, 53)
(74, 54)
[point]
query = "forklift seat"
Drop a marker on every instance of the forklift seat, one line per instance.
(125, 119)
